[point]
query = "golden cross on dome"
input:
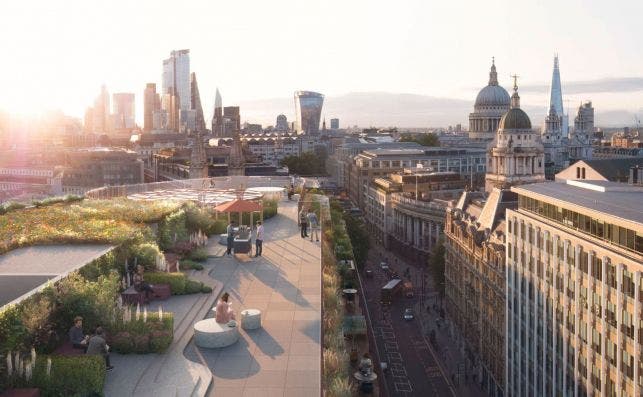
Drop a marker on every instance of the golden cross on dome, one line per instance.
(515, 77)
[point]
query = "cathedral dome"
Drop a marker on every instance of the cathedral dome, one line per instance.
(515, 119)
(492, 95)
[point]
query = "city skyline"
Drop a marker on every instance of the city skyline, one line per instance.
(322, 48)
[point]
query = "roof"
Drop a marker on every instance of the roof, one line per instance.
(239, 206)
(617, 200)
(493, 95)
(24, 270)
(614, 169)
(515, 119)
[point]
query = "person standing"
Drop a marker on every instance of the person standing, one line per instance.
(303, 222)
(314, 224)
(259, 239)
(230, 241)
(97, 345)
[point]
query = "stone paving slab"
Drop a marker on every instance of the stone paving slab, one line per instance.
(283, 357)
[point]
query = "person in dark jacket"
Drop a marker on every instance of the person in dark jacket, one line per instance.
(98, 345)
(77, 337)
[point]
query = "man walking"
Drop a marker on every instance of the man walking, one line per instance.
(259, 239)
(303, 222)
(314, 224)
(230, 241)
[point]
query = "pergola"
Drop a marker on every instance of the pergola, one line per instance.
(241, 206)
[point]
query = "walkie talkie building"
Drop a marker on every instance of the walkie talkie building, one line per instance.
(308, 106)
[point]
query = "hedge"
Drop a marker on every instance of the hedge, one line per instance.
(143, 336)
(179, 283)
(68, 376)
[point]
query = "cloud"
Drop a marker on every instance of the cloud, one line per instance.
(608, 85)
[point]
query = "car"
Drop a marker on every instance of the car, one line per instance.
(383, 265)
(408, 314)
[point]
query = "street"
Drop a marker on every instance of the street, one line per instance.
(415, 366)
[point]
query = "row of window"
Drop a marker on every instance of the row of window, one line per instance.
(617, 235)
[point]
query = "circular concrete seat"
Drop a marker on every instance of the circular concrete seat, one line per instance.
(251, 319)
(208, 333)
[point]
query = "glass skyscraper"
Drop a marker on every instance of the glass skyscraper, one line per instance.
(308, 106)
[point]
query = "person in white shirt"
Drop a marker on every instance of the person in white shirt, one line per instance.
(314, 224)
(259, 239)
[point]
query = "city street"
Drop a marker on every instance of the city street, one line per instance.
(416, 367)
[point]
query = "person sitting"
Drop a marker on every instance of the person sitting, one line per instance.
(366, 364)
(77, 337)
(98, 345)
(140, 285)
(224, 312)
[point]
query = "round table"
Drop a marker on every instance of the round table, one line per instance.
(250, 319)
(361, 378)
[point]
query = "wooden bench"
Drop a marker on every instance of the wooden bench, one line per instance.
(67, 349)
(132, 297)
(21, 393)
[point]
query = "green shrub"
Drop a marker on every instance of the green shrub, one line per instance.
(269, 208)
(172, 229)
(10, 206)
(187, 264)
(146, 255)
(70, 376)
(160, 340)
(202, 219)
(122, 342)
(176, 280)
(200, 255)
(206, 289)
(193, 287)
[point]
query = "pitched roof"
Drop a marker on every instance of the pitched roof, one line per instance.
(239, 206)
(614, 169)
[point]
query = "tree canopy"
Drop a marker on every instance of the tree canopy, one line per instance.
(307, 163)
(428, 139)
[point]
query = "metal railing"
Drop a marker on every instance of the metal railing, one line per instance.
(223, 182)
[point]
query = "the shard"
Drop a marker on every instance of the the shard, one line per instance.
(556, 98)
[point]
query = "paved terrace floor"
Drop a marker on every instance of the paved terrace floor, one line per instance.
(281, 359)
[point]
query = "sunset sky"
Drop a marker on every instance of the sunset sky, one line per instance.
(56, 54)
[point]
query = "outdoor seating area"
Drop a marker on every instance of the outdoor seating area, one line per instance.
(211, 335)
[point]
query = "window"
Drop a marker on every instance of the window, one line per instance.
(577, 172)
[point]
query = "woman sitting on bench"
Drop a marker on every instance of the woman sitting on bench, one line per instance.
(139, 283)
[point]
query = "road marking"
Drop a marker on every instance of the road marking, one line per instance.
(403, 387)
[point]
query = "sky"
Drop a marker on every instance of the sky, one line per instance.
(56, 54)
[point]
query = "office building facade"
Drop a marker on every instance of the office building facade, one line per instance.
(176, 78)
(151, 104)
(574, 255)
(124, 114)
(308, 107)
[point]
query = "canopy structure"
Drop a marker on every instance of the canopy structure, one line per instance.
(241, 206)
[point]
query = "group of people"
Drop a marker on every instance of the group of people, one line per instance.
(90, 344)
(259, 235)
(306, 218)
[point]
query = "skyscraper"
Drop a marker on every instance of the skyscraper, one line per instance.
(196, 104)
(124, 110)
(282, 123)
(231, 120)
(308, 107)
(102, 111)
(217, 118)
(334, 124)
(176, 77)
(151, 104)
(556, 98)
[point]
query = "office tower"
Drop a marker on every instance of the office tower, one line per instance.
(217, 117)
(88, 125)
(282, 123)
(580, 139)
(491, 104)
(574, 290)
(334, 124)
(475, 250)
(231, 120)
(151, 104)
(124, 110)
(199, 124)
(308, 106)
(169, 104)
(102, 111)
(176, 77)
(556, 98)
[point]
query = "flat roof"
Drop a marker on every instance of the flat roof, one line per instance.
(618, 200)
(23, 271)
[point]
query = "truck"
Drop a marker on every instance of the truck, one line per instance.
(390, 290)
